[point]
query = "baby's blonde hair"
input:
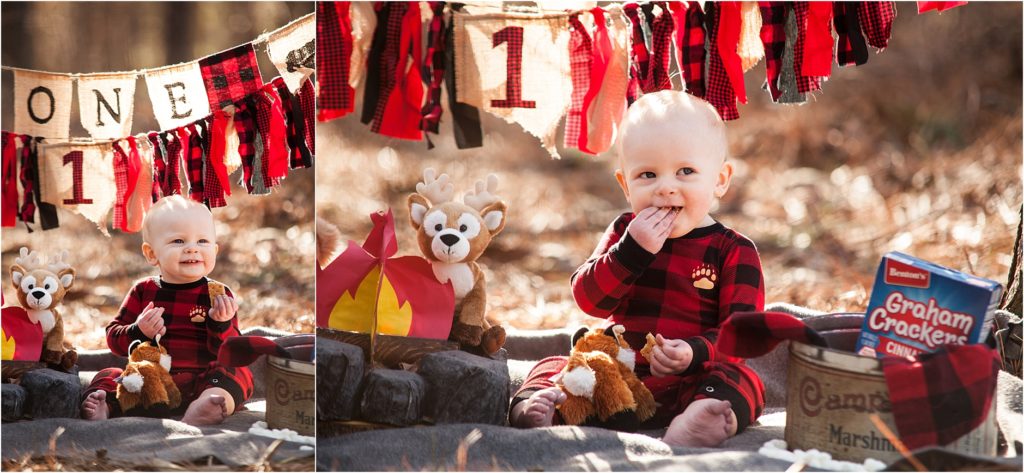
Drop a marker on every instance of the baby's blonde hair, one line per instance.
(171, 203)
(675, 115)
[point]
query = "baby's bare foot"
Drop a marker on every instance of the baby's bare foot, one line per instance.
(207, 410)
(538, 409)
(704, 423)
(94, 407)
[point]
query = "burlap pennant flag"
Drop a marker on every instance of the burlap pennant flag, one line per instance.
(106, 103)
(80, 178)
(230, 75)
(515, 66)
(42, 104)
(292, 50)
(178, 95)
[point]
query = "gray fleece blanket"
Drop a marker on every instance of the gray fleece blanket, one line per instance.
(160, 443)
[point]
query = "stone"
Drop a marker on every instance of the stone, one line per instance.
(52, 394)
(13, 402)
(393, 397)
(339, 377)
(465, 388)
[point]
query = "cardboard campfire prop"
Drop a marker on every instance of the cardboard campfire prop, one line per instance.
(367, 290)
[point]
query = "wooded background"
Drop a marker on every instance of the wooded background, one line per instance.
(266, 242)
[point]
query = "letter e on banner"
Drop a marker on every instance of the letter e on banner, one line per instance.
(178, 95)
(42, 104)
(106, 104)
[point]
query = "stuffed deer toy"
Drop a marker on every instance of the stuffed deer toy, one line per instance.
(452, 235)
(41, 287)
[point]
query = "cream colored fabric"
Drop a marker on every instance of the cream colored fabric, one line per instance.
(750, 48)
(364, 21)
(481, 72)
(106, 104)
(142, 199)
(609, 105)
(292, 48)
(56, 180)
(42, 104)
(178, 95)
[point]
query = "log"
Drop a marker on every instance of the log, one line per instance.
(14, 369)
(1012, 297)
(390, 350)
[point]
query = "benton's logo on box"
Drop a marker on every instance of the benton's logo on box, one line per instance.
(901, 274)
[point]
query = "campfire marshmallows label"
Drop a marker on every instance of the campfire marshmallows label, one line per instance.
(917, 306)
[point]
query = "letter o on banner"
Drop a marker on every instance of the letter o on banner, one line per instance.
(42, 104)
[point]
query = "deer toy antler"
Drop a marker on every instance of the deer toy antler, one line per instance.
(482, 196)
(29, 260)
(435, 188)
(58, 263)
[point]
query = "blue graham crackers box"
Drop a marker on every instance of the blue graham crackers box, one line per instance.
(917, 306)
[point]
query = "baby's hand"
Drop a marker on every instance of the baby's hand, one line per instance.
(670, 357)
(151, 321)
(651, 227)
(224, 308)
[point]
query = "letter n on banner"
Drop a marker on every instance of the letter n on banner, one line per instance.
(178, 95)
(80, 178)
(106, 104)
(42, 104)
(515, 66)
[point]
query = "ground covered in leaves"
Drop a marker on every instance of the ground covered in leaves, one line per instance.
(919, 151)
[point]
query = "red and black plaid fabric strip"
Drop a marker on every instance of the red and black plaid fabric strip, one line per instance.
(690, 38)
(941, 396)
(174, 147)
(159, 166)
(308, 103)
(10, 179)
(720, 93)
(244, 350)
(639, 57)
(230, 75)
(245, 126)
(465, 117)
(127, 166)
(382, 64)
(194, 162)
(661, 52)
(773, 37)
(28, 181)
(213, 189)
(273, 133)
(298, 155)
(334, 46)
(752, 334)
(850, 47)
(655, 293)
(580, 60)
(876, 22)
(434, 68)
(804, 83)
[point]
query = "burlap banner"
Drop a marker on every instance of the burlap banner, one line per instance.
(80, 178)
(515, 66)
(42, 104)
(292, 50)
(178, 95)
(106, 104)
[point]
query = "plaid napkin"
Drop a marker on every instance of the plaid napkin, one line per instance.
(938, 397)
(752, 334)
(243, 350)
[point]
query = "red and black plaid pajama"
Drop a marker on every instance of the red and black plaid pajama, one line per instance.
(192, 345)
(685, 291)
(333, 57)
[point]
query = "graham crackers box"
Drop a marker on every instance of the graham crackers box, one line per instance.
(916, 306)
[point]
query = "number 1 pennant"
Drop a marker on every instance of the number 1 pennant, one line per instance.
(80, 178)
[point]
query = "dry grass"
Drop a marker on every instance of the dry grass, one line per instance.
(917, 151)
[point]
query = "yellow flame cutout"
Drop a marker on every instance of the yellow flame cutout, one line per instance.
(354, 312)
(8, 346)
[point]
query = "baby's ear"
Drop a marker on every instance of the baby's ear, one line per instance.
(149, 253)
(724, 178)
(494, 216)
(418, 206)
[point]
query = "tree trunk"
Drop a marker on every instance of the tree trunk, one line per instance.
(1012, 296)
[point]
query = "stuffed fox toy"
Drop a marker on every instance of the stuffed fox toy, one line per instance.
(146, 380)
(452, 235)
(40, 288)
(599, 379)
